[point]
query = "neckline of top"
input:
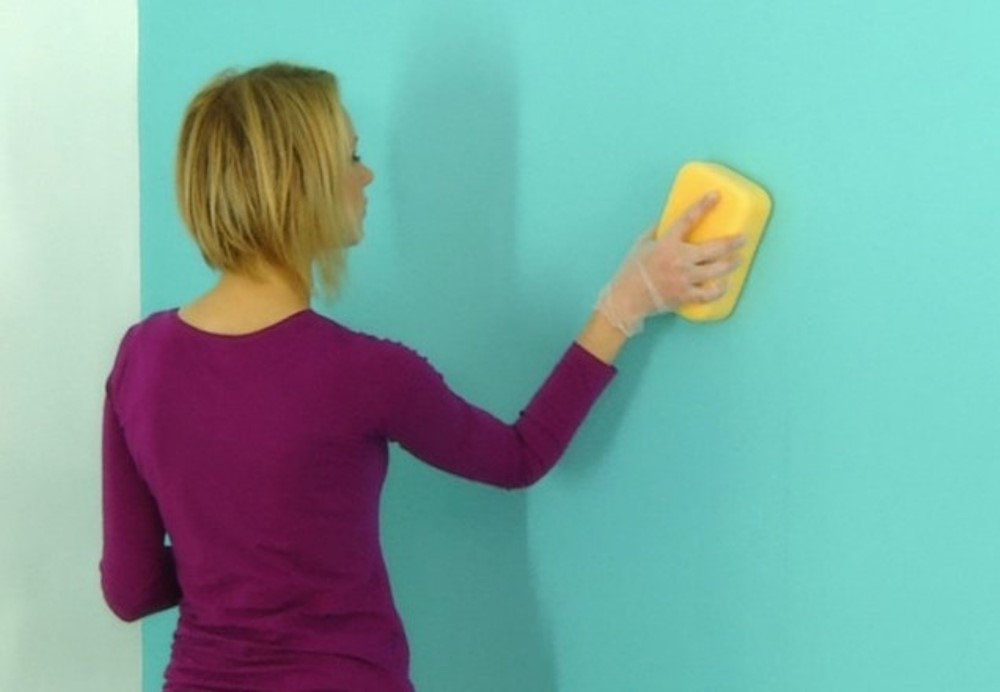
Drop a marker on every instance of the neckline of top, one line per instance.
(175, 314)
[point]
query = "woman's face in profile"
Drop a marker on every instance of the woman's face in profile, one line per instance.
(359, 176)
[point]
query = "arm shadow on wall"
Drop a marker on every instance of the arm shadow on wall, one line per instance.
(458, 551)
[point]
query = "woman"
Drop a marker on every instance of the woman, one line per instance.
(254, 431)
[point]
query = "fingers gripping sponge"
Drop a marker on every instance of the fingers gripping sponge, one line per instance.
(743, 207)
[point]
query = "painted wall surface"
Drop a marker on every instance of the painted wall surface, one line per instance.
(800, 498)
(69, 285)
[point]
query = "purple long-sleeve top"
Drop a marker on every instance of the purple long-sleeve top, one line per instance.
(262, 457)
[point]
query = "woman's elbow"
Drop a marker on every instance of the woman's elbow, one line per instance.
(531, 470)
(125, 606)
(129, 602)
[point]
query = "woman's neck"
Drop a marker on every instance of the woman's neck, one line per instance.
(241, 303)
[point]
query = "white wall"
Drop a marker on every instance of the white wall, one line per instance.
(69, 284)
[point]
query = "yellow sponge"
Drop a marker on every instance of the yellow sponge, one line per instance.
(743, 207)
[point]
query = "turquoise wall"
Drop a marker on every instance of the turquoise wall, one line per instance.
(800, 498)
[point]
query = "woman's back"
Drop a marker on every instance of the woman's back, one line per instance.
(264, 455)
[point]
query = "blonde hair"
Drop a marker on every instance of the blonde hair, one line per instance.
(260, 168)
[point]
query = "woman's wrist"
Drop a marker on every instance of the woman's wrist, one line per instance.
(601, 338)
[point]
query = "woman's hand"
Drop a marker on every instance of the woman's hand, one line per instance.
(661, 274)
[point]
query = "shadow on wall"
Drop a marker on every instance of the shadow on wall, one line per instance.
(458, 551)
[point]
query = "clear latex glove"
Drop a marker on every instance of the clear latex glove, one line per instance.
(661, 274)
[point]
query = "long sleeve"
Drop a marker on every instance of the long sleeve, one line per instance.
(436, 425)
(137, 570)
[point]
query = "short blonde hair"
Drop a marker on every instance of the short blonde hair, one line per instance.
(260, 168)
